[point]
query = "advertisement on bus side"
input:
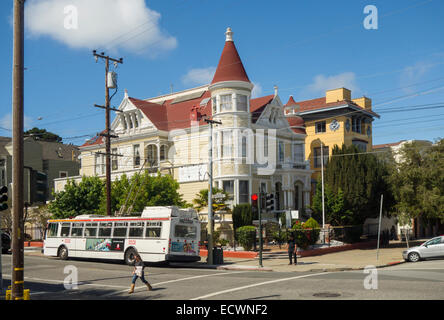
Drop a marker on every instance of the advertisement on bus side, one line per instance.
(105, 244)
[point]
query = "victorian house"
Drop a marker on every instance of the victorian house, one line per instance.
(255, 148)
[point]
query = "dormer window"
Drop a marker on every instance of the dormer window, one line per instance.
(242, 103)
(225, 103)
(130, 122)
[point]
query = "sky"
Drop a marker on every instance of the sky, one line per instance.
(392, 52)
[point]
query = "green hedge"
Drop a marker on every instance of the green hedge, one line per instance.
(246, 236)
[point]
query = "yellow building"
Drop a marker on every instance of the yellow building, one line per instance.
(335, 119)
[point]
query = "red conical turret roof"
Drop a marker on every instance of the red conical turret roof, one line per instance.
(230, 66)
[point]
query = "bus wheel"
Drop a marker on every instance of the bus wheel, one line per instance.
(63, 253)
(130, 256)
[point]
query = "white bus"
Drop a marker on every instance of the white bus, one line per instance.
(160, 234)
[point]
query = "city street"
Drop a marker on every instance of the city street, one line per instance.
(98, 280)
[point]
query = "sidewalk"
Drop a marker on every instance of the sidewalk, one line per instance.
(356, 259)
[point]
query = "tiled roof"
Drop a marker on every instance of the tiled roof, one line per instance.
(320, 104)
(387, 145)
(230, 66)
(257, 106)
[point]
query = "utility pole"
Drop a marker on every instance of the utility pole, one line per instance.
(323, 202)
(17, 278)
(107, 133)
(379, 227)
(210, 190)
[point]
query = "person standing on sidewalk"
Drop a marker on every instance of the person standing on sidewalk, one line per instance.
(138, 272)
(292, 250)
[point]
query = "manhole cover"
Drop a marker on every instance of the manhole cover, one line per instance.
(327, 295)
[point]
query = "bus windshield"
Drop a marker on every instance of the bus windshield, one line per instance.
(185, 231)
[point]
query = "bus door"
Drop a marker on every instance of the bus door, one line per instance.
(184, 237)
(66, 238)
(52, 240)
(77, 240)
(155, 242)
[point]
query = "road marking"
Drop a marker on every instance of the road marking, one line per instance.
(256, 285)
(80, 283)
(178, 280)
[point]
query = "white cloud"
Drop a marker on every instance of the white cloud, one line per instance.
(322, 83)
(199, 76)
(257, 90)
(6, 122)
(413, 74)
(99, 24)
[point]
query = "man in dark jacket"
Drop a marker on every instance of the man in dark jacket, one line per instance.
(292, 249)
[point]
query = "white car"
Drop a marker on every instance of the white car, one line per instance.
(434, 248)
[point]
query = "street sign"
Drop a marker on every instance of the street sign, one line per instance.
(219, 196)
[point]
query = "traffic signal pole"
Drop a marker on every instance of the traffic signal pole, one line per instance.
(210, 189)
(17, 278)
(260, 228)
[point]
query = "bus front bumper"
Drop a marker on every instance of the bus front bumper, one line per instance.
(181, 258)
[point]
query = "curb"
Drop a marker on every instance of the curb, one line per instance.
(244, 268)
(356, 269)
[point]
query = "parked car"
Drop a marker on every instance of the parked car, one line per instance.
(433, 248)
(6, 242)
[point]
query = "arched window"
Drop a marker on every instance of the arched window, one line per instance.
(151, 155)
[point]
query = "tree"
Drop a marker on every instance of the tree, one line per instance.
(219, 204)
(88, 197)
(39, 217)
(419, 181)
(242, 216)
(143, 190)
(362, 178)
(43, 135)
(77, 199)
(336, 212)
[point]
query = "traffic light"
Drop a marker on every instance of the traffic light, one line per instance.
(254, 199)
(269, 202)
(3, 198)
(39, 186)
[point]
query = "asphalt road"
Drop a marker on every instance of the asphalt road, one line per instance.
(53, 279)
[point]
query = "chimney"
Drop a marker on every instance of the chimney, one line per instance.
(364, 102)
(336, 95)
(195, 114)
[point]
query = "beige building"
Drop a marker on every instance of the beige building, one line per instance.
(255, 148)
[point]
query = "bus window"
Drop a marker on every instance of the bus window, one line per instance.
(66, 227)
(77, 229)
(52, 230)
(105, 229)
(181, 231)
(136, 229)
(153, 229)
(91, 229)
(120, 229)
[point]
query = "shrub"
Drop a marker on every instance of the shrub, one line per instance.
(313, 230)
(242, 216)
(246, 236)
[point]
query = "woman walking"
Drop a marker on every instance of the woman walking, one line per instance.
(139, 273)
